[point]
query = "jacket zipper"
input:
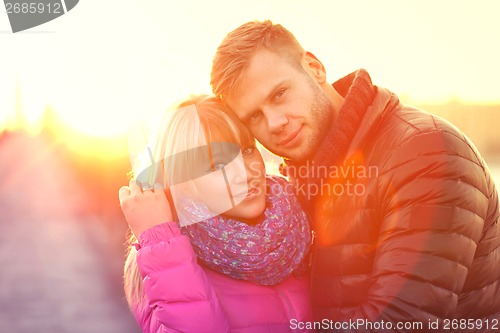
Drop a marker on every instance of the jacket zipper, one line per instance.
(311, 250)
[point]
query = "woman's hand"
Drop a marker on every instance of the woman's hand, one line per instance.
(144, 209)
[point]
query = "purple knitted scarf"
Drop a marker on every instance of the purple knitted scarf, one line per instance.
(265, 253)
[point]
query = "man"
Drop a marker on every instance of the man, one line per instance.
(404, 207)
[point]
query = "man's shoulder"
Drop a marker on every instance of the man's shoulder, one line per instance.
(424, 121)
(388, 124)
(408, 132)
(408, 123)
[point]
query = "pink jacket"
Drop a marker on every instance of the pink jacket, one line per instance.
(182, 296)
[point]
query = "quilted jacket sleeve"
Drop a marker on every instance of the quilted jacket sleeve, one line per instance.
(179, 297)
(434, 197)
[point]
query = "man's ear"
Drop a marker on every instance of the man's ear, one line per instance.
(314, 67)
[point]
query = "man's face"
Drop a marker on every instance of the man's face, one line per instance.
(284, 106)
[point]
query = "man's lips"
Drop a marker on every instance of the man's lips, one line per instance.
(289, 139)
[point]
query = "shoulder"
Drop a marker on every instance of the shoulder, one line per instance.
(410, 132)
(418, 148)
(408, 121)
(389, 125)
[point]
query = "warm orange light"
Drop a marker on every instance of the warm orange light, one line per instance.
(84, 143)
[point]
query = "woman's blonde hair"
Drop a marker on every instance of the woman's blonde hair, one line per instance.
(180, 131)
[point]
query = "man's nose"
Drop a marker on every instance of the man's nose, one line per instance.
(276, 121)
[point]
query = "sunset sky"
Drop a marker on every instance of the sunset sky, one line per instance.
(106, 64)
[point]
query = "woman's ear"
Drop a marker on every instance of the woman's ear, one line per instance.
(314, 67)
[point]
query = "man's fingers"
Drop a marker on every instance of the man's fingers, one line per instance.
(123, 192)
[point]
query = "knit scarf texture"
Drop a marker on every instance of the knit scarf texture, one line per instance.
(359, 93)
(265, 253)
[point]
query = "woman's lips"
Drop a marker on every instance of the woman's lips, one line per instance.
(252, 192)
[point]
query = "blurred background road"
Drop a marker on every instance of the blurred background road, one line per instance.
(60, 254)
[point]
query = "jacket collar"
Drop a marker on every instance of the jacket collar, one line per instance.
(384, 102)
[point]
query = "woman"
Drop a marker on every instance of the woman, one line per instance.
(237, 263)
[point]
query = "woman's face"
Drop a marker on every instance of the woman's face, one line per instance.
(235, 184)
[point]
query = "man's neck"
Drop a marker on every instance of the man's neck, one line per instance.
(335, 99)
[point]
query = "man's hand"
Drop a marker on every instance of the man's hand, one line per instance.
(144, 209)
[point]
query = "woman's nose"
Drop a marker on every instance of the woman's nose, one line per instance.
(241, 171)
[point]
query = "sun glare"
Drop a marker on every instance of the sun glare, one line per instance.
(164, 56)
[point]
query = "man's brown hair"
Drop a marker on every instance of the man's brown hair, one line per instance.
(237, 48)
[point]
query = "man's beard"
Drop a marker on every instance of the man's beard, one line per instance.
(321, 120)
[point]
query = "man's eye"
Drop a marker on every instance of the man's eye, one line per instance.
(248, 151)
(280, 93)
(254, 116)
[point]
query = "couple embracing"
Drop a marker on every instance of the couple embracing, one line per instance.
(217, 245)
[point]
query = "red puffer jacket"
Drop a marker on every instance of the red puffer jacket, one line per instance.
(418, 236)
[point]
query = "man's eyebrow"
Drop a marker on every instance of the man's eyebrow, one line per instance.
(267, 98)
